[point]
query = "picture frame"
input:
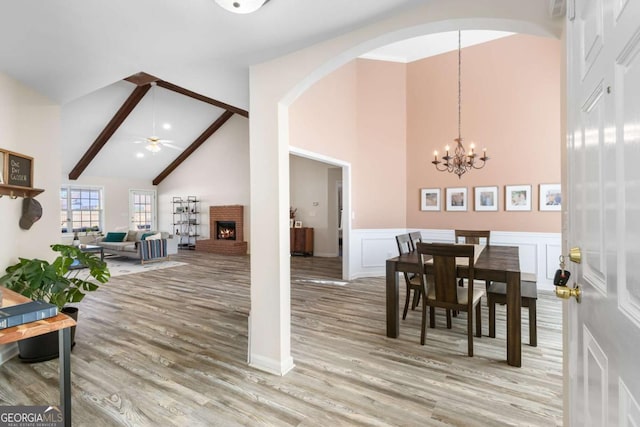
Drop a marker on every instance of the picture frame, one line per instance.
(18, 169)
(297, 224)
(456, 199)
(550, 197)
(429, 199)
(486, 198)
(517, 198)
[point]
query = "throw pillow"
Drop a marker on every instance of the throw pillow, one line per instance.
(156, 236)
(145, 236)
(131, 236)
(114, 237)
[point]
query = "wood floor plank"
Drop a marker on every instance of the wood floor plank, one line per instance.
(169, 347)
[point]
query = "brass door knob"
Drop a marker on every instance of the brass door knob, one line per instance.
(565, 292)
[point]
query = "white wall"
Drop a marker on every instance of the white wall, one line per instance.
(217, 173)
(30, 125)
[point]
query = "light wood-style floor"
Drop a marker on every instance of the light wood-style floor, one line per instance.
(169, 348)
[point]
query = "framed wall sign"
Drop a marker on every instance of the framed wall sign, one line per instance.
(430, 199)
(550, 197)
(457, 199)
(486, 198)
(19, 169)
(517, 198)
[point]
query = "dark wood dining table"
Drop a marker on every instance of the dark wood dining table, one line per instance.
(495, 263)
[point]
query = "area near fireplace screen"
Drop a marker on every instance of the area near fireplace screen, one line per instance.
(226, 230)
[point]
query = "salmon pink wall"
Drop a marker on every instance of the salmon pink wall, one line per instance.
(357, 114)
(510, 105)
(386, 119)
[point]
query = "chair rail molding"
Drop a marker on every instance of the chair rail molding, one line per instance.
(539, 252)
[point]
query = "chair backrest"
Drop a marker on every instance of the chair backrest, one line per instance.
(445, 269)
(472, 237)
(415, 237)
(404, 244)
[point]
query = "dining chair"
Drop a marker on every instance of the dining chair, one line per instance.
(497, 294)
(444, 292)
(473, 237)
(413, 281)
(415, 237)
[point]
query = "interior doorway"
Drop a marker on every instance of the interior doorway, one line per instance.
(319, 196)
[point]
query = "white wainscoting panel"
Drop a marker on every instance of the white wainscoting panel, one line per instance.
(539, 252)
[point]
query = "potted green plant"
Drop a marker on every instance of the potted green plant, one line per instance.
(63, 281)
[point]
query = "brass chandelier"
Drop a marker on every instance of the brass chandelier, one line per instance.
(460, 161)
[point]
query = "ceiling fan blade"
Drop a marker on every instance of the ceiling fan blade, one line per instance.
(175, 147)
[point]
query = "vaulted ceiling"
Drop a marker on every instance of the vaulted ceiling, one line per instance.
(85, 54)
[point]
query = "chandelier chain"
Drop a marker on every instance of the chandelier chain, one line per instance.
(460, 161)
(459, 87)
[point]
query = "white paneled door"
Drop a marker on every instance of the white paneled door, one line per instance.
(603, 176)
(142, 210)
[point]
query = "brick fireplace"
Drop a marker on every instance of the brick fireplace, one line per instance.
(226, 227)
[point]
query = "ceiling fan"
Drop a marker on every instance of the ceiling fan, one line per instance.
(154, 143)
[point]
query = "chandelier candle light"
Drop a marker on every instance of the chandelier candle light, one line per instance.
(461, 161)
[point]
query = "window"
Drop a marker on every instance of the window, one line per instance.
(81, 209)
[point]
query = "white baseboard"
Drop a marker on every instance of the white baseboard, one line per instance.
(271, 366)
(539, 252)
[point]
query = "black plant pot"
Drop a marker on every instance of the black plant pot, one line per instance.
(45, 347)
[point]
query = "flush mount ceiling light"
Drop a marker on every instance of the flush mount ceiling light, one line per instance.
(241, 6)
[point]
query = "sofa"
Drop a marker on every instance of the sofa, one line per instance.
(143, 245)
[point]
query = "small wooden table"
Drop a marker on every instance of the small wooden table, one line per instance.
(495, 263)
(93, 249)
(61, 323)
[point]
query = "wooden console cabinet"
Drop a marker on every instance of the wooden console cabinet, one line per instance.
(301, 241)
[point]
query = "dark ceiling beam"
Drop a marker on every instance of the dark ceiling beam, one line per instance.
(187, 92)
(113, 125)
(194, 146)
(141, 78)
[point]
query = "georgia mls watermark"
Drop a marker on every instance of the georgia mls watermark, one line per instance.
(31, 416)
